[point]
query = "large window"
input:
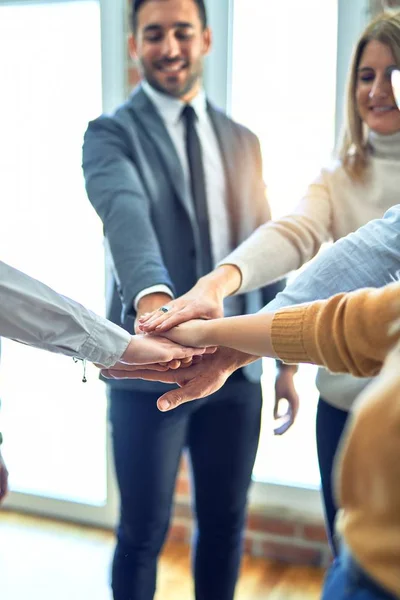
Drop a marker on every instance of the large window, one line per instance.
(55, 426)
(283, 86)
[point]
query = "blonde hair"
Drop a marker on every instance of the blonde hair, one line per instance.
(353, 150)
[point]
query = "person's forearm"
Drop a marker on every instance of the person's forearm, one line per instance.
(369, 257)
(225, 280)
(249, 334)
(114, 189)
(34, 314)
(278, 247)
(346, 333)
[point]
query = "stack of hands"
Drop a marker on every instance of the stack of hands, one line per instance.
(176, 329)
(173, 344)
(197, 368)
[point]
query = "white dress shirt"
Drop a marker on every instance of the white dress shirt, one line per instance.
(170, 110)
(34, 314)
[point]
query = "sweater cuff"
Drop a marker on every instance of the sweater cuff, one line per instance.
(241, 265)
(287, 335)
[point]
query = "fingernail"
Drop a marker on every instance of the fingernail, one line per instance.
(165, 404)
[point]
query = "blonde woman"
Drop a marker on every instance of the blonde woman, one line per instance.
(359, 186)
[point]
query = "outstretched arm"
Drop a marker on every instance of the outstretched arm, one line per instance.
(369, 257)
(34, 314)
(271, 252)
(350, 332)
(197, 381)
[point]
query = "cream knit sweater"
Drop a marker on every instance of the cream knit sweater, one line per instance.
(333, 206)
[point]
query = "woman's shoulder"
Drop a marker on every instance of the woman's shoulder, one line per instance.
(332, 173)
(333, 168)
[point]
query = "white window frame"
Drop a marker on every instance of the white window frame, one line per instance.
(287, 500)
(352, 18)
(113, 50)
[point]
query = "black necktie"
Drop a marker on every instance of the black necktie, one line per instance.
(198, 187)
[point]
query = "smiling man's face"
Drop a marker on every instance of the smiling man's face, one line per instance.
(170, 44)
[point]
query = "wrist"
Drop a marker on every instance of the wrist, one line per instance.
(129, 350)
(207, 333)
(235, 359)
(223, 281)
(152, 302)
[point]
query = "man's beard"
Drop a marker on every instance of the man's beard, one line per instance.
(194, 75)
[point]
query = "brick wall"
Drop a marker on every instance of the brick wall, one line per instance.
(294, 540)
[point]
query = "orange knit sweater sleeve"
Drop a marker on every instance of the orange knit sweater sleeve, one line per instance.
(350, 332)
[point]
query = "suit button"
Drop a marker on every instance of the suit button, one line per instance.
(192, 253)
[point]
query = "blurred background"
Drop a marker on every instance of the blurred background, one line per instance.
(276, 67)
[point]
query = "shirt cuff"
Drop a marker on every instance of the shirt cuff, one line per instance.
(154, 289)
(106, 343)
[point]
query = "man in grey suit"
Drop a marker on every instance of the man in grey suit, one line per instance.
(177, 185)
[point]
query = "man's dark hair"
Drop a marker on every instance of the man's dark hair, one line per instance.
(136, 5)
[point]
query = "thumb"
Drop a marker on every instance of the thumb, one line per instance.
(175, 398)
(276, 407)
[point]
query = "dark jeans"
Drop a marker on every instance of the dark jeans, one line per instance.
(331, 422)
(346, 580)
(221, 434)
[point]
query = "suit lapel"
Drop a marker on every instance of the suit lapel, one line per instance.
(148, 118)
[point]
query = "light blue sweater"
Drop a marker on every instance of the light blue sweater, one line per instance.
(369, 257)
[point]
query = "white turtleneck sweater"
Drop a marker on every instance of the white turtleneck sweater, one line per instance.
(333, 206)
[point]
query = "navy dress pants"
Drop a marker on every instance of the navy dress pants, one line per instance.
(331, 422)
(221, 435)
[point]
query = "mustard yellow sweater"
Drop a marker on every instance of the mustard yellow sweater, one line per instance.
(357, 333)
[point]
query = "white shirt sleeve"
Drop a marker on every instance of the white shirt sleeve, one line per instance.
(34, 314)
(154, 289)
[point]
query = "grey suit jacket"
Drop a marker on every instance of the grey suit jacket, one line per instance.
(135, 182)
